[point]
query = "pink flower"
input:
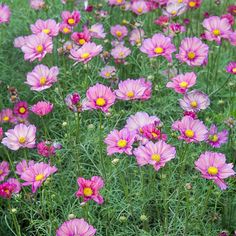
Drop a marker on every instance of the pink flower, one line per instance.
(191, 130)
(86, 52)
(89, 189)
(193, 52)
(120, 52)
(72, 19)
(81, 38)
(174, 29)
(119, 31)
(151, 132)
(20, 41)
(100, 97)
(216, 28)
(116, 2)
(232, 38)
(215, 138)
(1, 133)
(42, 77)
(49, 27)
(37, 46)
(36, 174)
(6, 116)
(136, 37)
(42, 108)
(212, 165)
(181, 83)
(232, 10)
(120, 141)
(65, 28)
(45, 149)
(22, 166)
(231, 68)
(5, 13)
(16, 183)
(97, 31)
(108, 72)
(162, 20)
(156, 154)
(4, 170)
(193, 4)
(131, 89)
(158, 45)
(21, 136)
(76, 226)
(73, 102)
(139, 7)
(6, 190)
(37, 4)
(175, 9)
(194, 101)
(229, 17)
(21, 109)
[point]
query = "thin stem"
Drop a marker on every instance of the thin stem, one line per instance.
(15, 221)
(46, 134)
(78, 128)
(221, 87)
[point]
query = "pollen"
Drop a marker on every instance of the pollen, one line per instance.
(216, 32)
(192, 4)
(118, 33)
(66, 30)
(193, 104)
(122, 143)
(82, 41)
(214, 138)
(234, 70)
(100, 102)
(6, 118)
(1, 171)
(39, 48)
(212, 170)
(158, 50)
(173, 13)
(22, 140)
(183, 84)
(39, 177)
(71, 21)
(191, 55)
(43, 80)
(130, 94)
(22, 110)
(88, 192)
(107, 74)
(46, 31)
(140, 10)
(189, 133)
(156, 157)
(85, 55)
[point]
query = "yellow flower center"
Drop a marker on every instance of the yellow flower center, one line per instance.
(154, 135)
(100, 102)
(212, 170)
(39, 177)
(234, 70)
(21, 140)
(192, 4)
(71, 21)
(82, 41)
(6, 191)
(39, 48)
(140, 10)
(156, 157)
(193, 104)
(189, 133)
(85, 55)
(122, 143)
(183, 84)
(119, 1)
(216, 32)
(173, 13)
(214, 138)
(6, 118)
(191, 55)
(107, 74)
(22, 110)
(158, 50)
(130, 94)
(180, 1)
(140, 130)
(121, 54)
(46, 31)
(43, 81)
(1, 171)
(66, 30)
(118, 33)
(88, 192)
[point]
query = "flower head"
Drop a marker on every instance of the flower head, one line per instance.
(4, 170)
(120, 52)
(231, 68)
(108, 72)
(70, 18)
(73, 102)
(139, 7)
(215, 138)
(42, 108)
(7, 189)
(136, 37)
(97, 31)
(37, 4)
(6, 116)
(21, 109)
(23, 165)
(45, 149)
(119, 31)
(5, 13)
(49, 27)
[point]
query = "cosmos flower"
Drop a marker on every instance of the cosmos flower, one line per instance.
(120, 52)
(231, 68)
(120, 141)
(42, 77)
(45, 149)
(5, 13)
(215, 138)
(49, 27)
(72, 101)
(23, 165)
(212, 165)
(193, 4)
(4, 170)
(151, 132)
(174, 9)
(37, 4)
(116, 2)
(70, 18)
(6, 116)
(139, 7)
(232, 10)
(21, 136)
(89, 189)
(108, 72)
(42, 108)
(97, 31)
(119, 31)
(136, 37)
(65, 28)
(21, 109)
(81, 38)
(16, 183)
(7, 189)
(76, 227)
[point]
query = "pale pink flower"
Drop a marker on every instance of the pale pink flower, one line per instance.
(37, 46)
(116, 2)
(175, 9)
(49, 27)
(71, 18)
(139, 7)
(89, 189)
(108, 72)
(158, 45)
(65, 28)
(215, 138)
(5, 13)
(120, 141)
(136, 37)
(42, 77)
(181, 83)
(37, 4)
(97, 31)
(42, 108)
(21, 136)
(4, 170)
(119, 31)
(120, 52)
(7, 116)
(36, 174)
(16, 183)
(23, 165)
(232, 38)
(20, 41)
(212, 165)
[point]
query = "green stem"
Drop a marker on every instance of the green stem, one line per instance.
(46, 134)
(221, 87)
(14, 218)
(78, 128)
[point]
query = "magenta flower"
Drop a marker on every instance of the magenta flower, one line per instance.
(193, 52)
(45, 149)
(70, 18)
(213, 166)
(81, 38)
(131, 89)
(139, 7)
(136, 37)
(37, 46)
(119, 31)
(42, 77)
(229, 17)
(42, 108)
(7, 189)
(23, 165)
(5, 13)
(158, 45)
(120, 52)
(89, 189)
(216, 28)
(6, 116)
(231, 68)
(49, 27)
(156, 154)
(76, 227)
(194, 101)
(21, 109)
(151, 132)
(1, 133)
(16, 183)
(108, 72)
(4, 170)
(97, 31)
(21, 136)
(86, 52)
(100, 97)
(73, 102)
(232, 38)
(36, 174)
(181, 83)
(191, 130)
(215, 138)
(120, 141)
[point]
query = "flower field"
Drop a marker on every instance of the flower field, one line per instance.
(117, 118)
